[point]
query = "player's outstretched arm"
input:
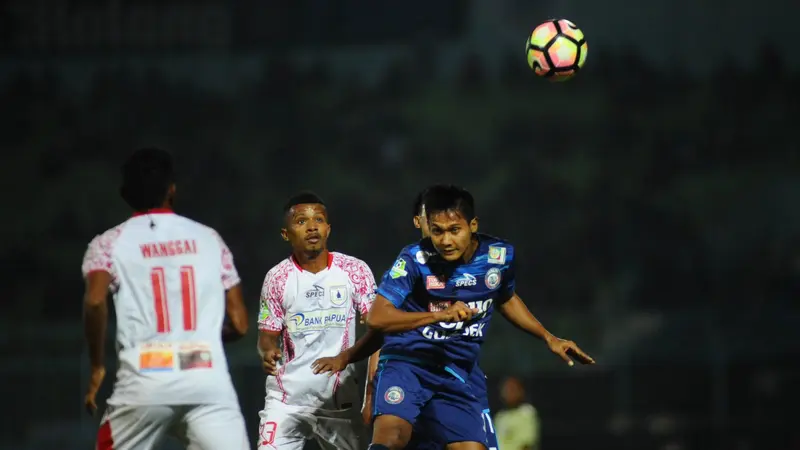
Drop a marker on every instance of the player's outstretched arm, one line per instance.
(236, 312)
(386, 318)
(95, 323)
(516, 312)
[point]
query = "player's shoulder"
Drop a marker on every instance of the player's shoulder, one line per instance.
(279, 273)
(497, 250)
(348, 263)
(197, 227)
(108, 238)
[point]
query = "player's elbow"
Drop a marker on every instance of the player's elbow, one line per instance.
(375, 321)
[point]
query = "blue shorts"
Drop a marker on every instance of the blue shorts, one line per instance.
(444, 403)
(423, 438)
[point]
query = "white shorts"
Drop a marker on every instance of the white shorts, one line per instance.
(198, 427)
(286, 427)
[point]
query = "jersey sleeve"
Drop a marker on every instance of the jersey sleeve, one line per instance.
(509, 283)
(398, 282)
(271, 311)
(230, 276)
(98, 256)
(364, 287)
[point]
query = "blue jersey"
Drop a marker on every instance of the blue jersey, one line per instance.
(421, 280)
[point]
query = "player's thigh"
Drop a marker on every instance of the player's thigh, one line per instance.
(212, 427)
(491, 434)
(401, 390)
(282, 426)
(454, 415)
(139, 427)
(340, 430)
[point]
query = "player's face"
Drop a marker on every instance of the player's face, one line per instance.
(451, 234)
(307, 228)
(512, 392)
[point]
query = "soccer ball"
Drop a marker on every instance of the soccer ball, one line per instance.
(556, 50)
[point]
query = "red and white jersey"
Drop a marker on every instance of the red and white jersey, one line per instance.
(169, 276)
(316, 315)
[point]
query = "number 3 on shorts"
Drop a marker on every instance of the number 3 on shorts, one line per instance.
(267, 432)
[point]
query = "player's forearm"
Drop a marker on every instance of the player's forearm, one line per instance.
(95, 322)
(364, 347)
(392, 320)
(267, 341)
(515, 311)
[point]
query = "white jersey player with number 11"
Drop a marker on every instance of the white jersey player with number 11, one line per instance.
(308, 311)
(173, 281)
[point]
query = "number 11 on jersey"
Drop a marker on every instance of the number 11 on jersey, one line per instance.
(188, 299)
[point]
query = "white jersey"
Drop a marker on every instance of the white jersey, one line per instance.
(316, 315)
(169, 276)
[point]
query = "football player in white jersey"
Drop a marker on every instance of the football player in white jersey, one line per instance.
(173, 282)
(308, 310)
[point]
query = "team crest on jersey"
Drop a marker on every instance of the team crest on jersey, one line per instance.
(433, 282)
(493, 278)
(339, 295)
(394, 395)
(497, 255)
(398, 269)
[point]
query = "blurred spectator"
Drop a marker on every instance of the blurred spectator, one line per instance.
(518, 423)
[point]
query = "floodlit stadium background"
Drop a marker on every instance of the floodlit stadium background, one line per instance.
(653, 199)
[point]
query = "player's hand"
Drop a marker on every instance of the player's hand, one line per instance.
(98, 373)
(330, 365)
(566, 349)
(270, 361)
(457, 312)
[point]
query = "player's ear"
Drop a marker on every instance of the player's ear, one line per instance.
(171, 193)
(473, 225)
(285, 234)
(417, 225)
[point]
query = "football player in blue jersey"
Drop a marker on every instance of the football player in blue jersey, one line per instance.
(431, 314)
(421, 439)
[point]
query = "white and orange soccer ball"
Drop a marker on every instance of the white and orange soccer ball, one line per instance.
(556, 50)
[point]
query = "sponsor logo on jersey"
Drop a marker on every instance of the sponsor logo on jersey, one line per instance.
(263, 313)
(447, 330)
(156, 357)
(497, 255)
(394, 395)
(317, 292)
(493, 278)
(317, 320)
(339, 295)
(194, 356)
(433, 282)
(466, 280)
(439, 305)
(398, 269)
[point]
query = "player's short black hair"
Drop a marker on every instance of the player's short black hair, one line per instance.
(418, 203)
(146, 177)
(444, 197)
(302, 198)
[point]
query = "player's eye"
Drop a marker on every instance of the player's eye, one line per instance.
(320, 220)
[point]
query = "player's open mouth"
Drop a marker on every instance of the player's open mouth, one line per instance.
(313, 239)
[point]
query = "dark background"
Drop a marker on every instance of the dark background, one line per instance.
(653, 199)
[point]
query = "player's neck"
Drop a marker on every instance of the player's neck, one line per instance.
(473, 247)
(313, 262)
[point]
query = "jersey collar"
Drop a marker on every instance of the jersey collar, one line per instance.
(297, 265)
(153, 211)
